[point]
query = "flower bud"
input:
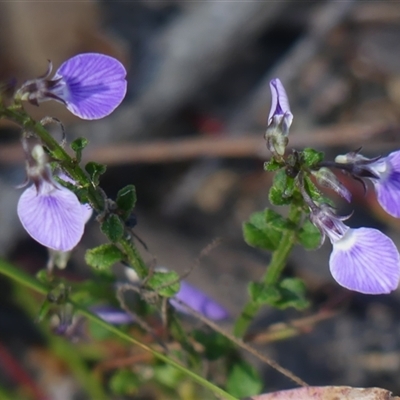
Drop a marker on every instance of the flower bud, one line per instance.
(326, 178)
(279, 120)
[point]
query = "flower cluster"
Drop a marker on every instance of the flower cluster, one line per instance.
(364, 259)
(91, 86)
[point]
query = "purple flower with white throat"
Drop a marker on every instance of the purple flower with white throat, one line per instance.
(383, 172)
(50, 213)
(363, 259)
(279, 120)
(90, 85)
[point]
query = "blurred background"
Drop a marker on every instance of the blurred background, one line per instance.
(189, 136)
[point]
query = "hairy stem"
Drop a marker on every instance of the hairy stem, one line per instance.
(274, 271)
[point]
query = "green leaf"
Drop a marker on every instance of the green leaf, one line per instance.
(261, 294)
(293, 292)
(113, 227)
(290, 292)
(215, 345)
(277, 194)
(312, 157)
(124, 382)
(95, 170)
(264, 229)
(312, 190)
(165, 283)
(309, 236)
(126, 200)
(77, 146)
(104, 256)
(272, 165)
(243, 380)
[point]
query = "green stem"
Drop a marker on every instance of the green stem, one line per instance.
(274, 270)
(19, 116)
(134, 258)
(64, 350)
(30, 282)
(282, 253)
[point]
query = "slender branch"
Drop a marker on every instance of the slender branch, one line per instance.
(274, 270)
(239, 342)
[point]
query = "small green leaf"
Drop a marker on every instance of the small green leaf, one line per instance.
(104, 256)
(77, 146)
(272, 165)
(261, 294)
(312, 190)
(126, 200)
(124, 382)
(277, 193)
(113, 227)
(290, 292)
(309, 236)
(243, 380)
(293, 292)
(264, 229)
(215, 345)
(95, 170)
(165, 283)
(290, 188)
(312, 157)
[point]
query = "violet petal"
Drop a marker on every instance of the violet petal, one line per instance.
(200, 302)
(365, 260)
(280, 102)
(95, 84)
(53, 218)
(388, 187)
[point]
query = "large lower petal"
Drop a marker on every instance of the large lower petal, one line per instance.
(95, 84)
(367, 261)
(54, 219)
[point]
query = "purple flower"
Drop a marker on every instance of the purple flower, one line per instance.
(383, 172)
(90, 85)
(50, 213)
(279, 120)
(364, 259)
(200, 302)
(280, 109)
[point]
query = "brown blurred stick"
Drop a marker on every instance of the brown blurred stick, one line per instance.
(286, 330)
(248, 145)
